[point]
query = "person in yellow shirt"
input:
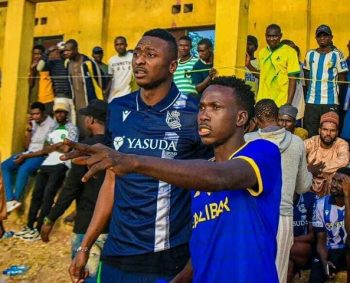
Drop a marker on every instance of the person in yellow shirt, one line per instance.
(279, 65)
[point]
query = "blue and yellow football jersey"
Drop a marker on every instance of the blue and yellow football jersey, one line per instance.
(234, 231)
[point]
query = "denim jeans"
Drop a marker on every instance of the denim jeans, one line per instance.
(10, 168)
(95, 253)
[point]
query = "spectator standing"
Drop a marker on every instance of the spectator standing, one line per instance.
(85, 80)
(345, 134)
(182, 75)
(203, 71)
(53, 60)
(252, 79)
(38, 128)
(279, 65)
(326, 153)
(40, 82)
(323, 67)
(120, 69)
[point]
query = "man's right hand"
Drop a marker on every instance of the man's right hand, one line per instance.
(77, 269)
(316, 168)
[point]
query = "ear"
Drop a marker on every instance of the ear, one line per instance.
(242, 118)
(173, 66)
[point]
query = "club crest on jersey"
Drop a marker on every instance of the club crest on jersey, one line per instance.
(173, 119)
(118, 142)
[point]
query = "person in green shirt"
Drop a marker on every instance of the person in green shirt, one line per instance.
(203, 69)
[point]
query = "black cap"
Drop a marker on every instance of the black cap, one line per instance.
(325, 29)
(96, 108)
(252, 39)
(97, 50)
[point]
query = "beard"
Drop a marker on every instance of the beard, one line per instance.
(328, 141)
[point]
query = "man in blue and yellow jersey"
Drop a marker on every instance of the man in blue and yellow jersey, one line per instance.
(235, 204)
(279, 65)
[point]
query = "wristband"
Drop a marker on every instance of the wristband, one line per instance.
(83, 249)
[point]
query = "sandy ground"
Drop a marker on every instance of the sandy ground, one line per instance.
(48, 262)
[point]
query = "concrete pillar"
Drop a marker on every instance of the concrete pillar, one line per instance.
(91, 19)
(16, 60)
(231, 36)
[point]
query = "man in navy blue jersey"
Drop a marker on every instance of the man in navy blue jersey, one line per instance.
(150, 220)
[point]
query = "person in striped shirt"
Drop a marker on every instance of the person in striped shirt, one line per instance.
(330, 222)
(324, 66)
(182, 75)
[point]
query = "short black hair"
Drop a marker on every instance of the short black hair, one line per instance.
(243, 92)
(166, 36)
(38, 105)
(39, 47)
(121, 37)
(72, 42)
(344, 170)
(275, 27)
(186, 37)
(266, 110)
(206, 42)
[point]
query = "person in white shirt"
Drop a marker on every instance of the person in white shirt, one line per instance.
(119, 68)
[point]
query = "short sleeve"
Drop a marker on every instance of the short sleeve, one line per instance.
(265, 159)
(110, 69)
(307, 61)
(197, 77)
(341, 64)
(293, 66)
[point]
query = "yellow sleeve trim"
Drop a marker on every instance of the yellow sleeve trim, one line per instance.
(257, 173)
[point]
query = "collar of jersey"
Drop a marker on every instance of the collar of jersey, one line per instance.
(161, 106)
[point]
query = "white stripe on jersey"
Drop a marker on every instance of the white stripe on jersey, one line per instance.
(162, 222)
(324, 70)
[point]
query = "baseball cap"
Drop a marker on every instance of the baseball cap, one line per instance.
(253, 40)
(331, 116)
(97, 50)
(96, 108)
(61, 106)
(325, 29)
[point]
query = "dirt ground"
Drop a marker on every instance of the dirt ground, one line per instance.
(49, 262)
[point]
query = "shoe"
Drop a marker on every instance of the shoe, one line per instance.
(33, 235)
(12, 205)
(25, 230)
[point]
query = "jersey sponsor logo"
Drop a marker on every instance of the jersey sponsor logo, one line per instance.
(173, 119)
(300, 223)
(159, 144)
(211, 211)
(126, 114)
